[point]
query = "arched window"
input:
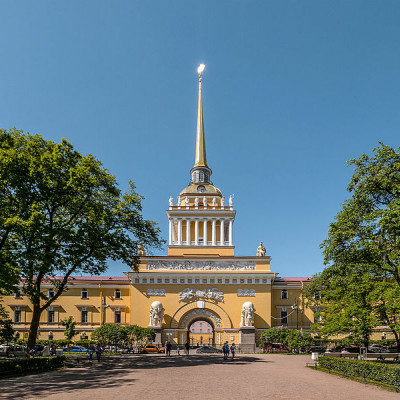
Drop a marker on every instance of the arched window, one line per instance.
(284, 294)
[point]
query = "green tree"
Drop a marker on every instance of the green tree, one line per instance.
(110, 334)
(344, 302)
(364, 244)
(273, 335)
(70, 330)
(6, 326)
(62, 213)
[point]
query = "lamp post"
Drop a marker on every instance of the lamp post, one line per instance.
(103, 308)
(295, 306)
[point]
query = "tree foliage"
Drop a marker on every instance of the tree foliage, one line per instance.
(294, 339)
(6, 326)
(61, 213)
(70, 330)
(360, 285)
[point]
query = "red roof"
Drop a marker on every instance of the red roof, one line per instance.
(292, 279)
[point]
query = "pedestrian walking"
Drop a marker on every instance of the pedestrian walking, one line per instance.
(233, 350)
(178, 349)
(98, 352)
(226, 351)
(168, 347)
(90, 352)
(187, 348)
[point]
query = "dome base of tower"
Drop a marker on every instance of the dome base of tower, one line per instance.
(201, 189)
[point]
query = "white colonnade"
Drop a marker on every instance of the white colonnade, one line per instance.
(176, 232)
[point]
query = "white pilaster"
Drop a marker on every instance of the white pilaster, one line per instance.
(231, 232)
(170, 231)
(188, 231)
(205, 232)
(196, 231)
(222, 232)
(214, 236)
(179, 231)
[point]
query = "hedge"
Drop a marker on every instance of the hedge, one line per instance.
(19, 365)
(384, 373)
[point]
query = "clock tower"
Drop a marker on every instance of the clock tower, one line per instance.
(201, 223)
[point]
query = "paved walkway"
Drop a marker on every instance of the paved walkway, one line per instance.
(179, 377)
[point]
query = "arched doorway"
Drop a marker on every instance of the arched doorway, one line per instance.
(201, 331)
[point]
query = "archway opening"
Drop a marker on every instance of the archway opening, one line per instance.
(200, 332)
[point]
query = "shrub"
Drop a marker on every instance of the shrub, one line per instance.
(19, 365)
(384, 373)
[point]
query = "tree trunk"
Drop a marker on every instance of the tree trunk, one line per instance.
(33, 329)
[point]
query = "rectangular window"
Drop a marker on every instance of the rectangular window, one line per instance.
(50, 316)
(51, 294)
(84, 317)
(284, 294)
(17, 294)
(84, 294)
(17, 315)
(117, 294)
(284, 317)
(117, 317)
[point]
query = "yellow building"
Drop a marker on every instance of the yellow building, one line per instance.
(200, 279)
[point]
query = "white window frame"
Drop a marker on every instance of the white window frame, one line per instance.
(49, 293)
(50, 311)
(17, 311)
(117, 312)
(84, 311)
(119, 294)
(286, 294)
(84, 291)
(284, 317)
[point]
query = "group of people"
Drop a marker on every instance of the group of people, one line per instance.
(94, 349)
(226, 349)
(168, 347)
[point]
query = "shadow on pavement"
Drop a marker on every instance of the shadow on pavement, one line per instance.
(110, 372)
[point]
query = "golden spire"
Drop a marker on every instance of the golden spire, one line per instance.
(201, 159)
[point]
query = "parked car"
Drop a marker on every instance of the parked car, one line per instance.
(13, 351)
(152, 348)
(316, 349)
(75, 349)
(276, 348)
(208, 349)
(376, 348)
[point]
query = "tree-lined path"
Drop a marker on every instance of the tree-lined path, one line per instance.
(181, 377)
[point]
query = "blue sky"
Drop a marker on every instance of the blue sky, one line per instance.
(291, 91)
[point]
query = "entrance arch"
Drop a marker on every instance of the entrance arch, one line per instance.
(200, 335)
(208, 309)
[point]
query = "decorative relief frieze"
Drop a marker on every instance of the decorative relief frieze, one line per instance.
(200, 311)
(246, 292)
(210, 294)
(201, 265)
(155, 292)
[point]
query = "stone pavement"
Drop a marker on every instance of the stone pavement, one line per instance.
(261, 376)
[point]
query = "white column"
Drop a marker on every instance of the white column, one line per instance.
(222, 232)
(214, 236)
(188, 231)
(230, 232)
(196, 231)
(170, 231)
(205, 232)
(179, 231)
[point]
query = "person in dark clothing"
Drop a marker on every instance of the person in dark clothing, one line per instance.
(169, 346)
(98, 352)
(187, 347)
(226, 350)
(233, 350)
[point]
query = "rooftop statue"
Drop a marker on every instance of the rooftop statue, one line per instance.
(261, 250)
